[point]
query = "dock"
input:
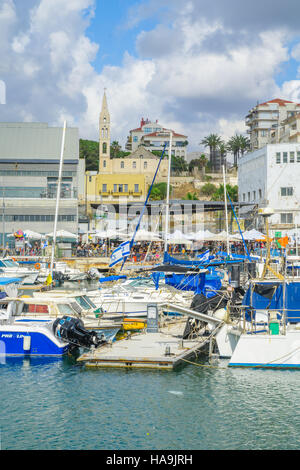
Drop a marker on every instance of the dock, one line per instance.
(164, 349)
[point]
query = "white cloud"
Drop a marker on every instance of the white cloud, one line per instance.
(193, 73)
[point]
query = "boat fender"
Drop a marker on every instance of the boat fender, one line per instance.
(37, 266)
(26, 343)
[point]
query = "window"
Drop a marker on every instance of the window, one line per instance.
(122, 164)
(104, 188)
(286, 191)
(133, 164)
(135, 138)
(286, 218)
(292, 157)
(284, 157)
(145, 165)
(90, 179)
(115, 188)
(120, 188)
(126, 188)
(244, 197)
(278, 157)
(298, 157)
(259, 193)
(136, 188)
(104, 163)
(104, 147)
(249, 196)
(254, 195)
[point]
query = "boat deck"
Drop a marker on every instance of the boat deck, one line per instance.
(162, 350)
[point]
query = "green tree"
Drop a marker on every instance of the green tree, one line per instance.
(115, 149)
(198, 163)
(218, 195)
(178, 164)
(191, 197)
(89, 150)
(238, 145)
(208, 189)
(159, 191)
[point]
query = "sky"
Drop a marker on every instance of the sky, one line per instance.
(197, 66)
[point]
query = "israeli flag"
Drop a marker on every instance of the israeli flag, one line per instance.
(119, 254)
(204, 256)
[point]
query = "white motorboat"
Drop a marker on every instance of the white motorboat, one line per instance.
(11, 268)
(46, 309)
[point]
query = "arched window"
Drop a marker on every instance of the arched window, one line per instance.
(104, 147)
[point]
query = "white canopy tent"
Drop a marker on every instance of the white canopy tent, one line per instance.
(253, 235)
(178, 238)
(62, 234)
(144, 235)
(222, 237)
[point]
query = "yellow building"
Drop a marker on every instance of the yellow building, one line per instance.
(128, 177)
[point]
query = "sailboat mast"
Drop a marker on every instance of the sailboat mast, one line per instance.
(226, 213)
(58, 196)
(168, 194)
(3, 220)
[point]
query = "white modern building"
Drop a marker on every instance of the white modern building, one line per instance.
(270, 177)
(29, 169)
(264, 120)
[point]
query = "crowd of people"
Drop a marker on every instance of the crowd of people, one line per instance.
(151, 251)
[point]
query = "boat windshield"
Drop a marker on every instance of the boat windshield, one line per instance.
(82, 302)
(65, 309)
(90, 302)
(8, 263)
(75, 306)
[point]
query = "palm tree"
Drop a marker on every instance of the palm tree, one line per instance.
(244, 144)
(238, 144)
(218, 195)
(213, 141)
(223, 153)
(191, 197)
(115, 148)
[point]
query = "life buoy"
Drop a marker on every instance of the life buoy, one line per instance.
(14, 259)
(37, 266)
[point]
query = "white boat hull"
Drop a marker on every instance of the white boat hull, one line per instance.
(268, 351)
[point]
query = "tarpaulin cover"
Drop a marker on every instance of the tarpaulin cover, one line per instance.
(262, 298)
(201, 283)
(200, 264)
(9, 280)
(111, 278)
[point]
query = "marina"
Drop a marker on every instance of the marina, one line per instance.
(149, 231)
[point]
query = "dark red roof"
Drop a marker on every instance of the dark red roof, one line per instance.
(278, 101)
(158, 134)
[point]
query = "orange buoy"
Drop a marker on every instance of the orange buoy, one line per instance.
(37, 266)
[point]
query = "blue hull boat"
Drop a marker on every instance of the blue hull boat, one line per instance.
(30, 340)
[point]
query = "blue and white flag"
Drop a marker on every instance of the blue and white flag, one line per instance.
(204, 256)
(119, 254)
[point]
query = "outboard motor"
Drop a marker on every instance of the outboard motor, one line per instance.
(72, 331)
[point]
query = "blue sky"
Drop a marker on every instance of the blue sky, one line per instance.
(197, 66)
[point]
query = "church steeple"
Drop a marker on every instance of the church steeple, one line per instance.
(104, 137)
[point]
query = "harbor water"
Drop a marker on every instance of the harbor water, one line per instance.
(59, 404)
